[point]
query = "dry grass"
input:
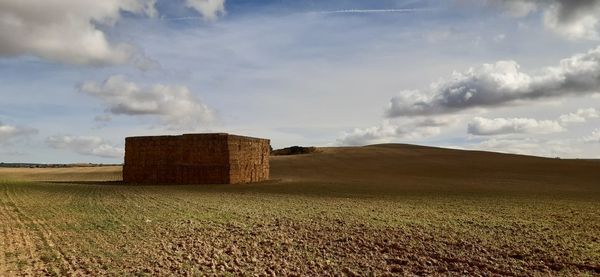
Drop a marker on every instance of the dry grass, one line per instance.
(389, 209)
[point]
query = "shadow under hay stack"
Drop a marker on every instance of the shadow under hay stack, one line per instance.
(196, 159)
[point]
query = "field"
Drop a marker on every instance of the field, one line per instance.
(376, 210)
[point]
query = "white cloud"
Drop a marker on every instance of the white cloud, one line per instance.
(67, 30)
(388, 132)
(9, 132)
(501, 126)
(527, 146)
(500, 84)
(209, 9)
(499, 37)
(372, 135)
(594, 137)
(176, 106)
(86, 145)
(582, 115)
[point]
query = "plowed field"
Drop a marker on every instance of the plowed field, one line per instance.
(376, 210)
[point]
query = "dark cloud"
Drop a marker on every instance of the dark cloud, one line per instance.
(574, 19)
(502, 83)
(67, 30)
(73, 31)
(571, 10)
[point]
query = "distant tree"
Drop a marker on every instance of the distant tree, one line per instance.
(294, 150)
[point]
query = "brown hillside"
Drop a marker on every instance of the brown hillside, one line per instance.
(400, 166)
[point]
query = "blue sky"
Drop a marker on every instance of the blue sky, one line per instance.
(501, 75)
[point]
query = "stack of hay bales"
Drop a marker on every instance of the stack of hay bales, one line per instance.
(196, 159)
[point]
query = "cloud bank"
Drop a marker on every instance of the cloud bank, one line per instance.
(176, 106)
(67, 31)
(582, 115)
(499, 126)
(86, 145)
(501, 83)
(480, 126)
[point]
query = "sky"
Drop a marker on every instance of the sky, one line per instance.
(514, 76)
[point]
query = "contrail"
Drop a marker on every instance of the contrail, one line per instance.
(370, 11)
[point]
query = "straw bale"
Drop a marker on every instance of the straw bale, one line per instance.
(196, 158)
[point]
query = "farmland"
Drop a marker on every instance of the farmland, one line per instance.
(384, 209)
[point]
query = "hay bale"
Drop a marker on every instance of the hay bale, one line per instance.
(196, 159)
